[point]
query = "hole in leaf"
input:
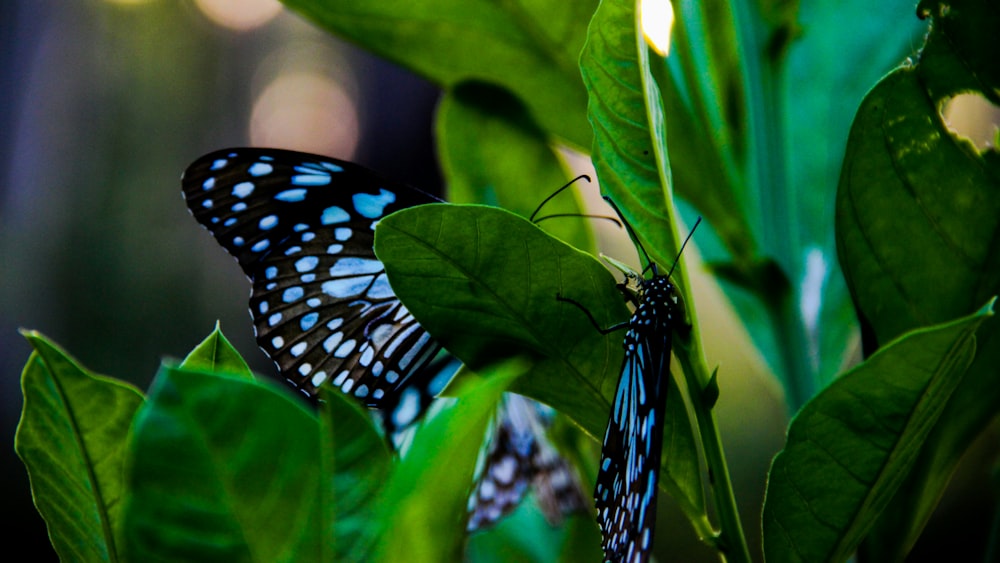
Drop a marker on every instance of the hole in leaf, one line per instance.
(973, 117)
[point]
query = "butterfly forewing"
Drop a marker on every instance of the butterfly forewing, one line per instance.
(302, 228)
(625, 494)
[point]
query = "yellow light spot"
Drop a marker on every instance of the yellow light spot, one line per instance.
(657, 18)
(240, 16)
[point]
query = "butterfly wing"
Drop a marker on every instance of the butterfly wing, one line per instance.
(520, 455)
(302, 228)
(625, 494)
(556, 486)
(506, 472)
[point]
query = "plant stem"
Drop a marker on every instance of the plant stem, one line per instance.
(730, 540)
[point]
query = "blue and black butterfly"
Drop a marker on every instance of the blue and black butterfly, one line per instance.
(301, 227)
(625, 493)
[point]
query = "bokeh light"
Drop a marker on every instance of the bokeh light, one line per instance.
(657, 18)
(972, 116)
(305, 111)
(242, 15)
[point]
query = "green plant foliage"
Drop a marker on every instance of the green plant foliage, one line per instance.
(71, 438)
(216, 354)
(356, 461)
(850, 447)
(529, 48)
(223, 469)
(493, 152)
(917, 223)
(423, 508)
(841, 48)
(488, 291)
(524, 535)
(495, 278)
(629, 150)
(745, 122)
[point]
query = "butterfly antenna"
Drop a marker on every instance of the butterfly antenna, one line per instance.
(631, 233)
(586, 215)
(555, 193)
(691, 232)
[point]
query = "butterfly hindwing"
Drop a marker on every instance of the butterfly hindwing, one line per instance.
(520, 457)
(625, 493)
(302, 228)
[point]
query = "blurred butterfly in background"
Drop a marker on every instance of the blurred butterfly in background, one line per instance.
(301, 227)
(520, 457)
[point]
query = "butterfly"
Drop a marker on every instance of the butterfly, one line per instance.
(521, 457)
(301, 227)
(625, 493)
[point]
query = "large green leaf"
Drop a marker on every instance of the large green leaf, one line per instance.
(851, 446)
(493, 152)
(484, 282)
(71, 438)
(918, 219)
(423, 507)
(529, 48)
(918, 212)
(224, 469)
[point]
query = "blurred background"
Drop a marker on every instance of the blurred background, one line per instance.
(103, 103)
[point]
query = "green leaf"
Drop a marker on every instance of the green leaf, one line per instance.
(917, 212)
(629, 136)
(423, 508)
(493, 152)
(906, 176)
(223, 469)
(71, 438)
(851, 446)
(484, 282)
(529, 48)
(216, 354)
(357, 460)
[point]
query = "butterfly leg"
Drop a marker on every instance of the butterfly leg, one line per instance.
(608, 330)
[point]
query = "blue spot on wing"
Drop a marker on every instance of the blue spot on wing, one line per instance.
(334, 214)
(291, 196)
(372, 206)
